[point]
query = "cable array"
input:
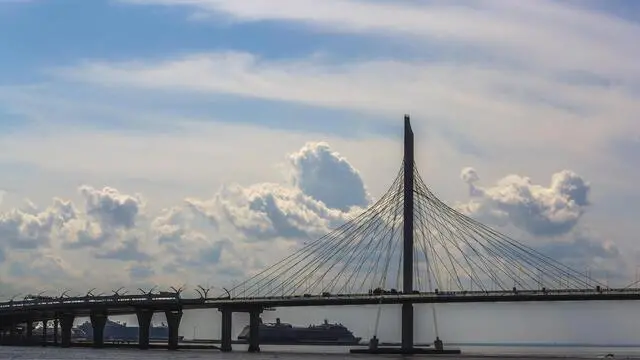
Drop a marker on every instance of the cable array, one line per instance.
(452, 252)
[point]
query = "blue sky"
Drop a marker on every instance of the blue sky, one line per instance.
(179, 113)
(45, 35)
(69, 32)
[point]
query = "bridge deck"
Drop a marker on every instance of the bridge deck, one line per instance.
(82, 306)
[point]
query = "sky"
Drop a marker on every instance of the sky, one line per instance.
(170, 142)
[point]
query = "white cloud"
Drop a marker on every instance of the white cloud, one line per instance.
(549, 218)
(544, 73)
(503, 108)
(539, 210)
(111, 208)
(243, 229)
(528, 33)
(316, 171)
(238, 231)
(31, 228)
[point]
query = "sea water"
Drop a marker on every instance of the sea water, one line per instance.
(312, 353)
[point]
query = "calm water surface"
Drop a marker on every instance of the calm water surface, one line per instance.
(310, 353)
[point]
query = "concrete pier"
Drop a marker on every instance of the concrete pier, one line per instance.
(56, 324)
(29, 332)
(173, 322)
(66, 323)
(225, 346)
(98, 321)
(254, 330)
(44, 332)
(144, 322)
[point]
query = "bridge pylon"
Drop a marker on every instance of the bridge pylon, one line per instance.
(407, 252)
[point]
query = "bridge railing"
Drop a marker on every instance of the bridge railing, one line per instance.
(87, 300)
(133, 300)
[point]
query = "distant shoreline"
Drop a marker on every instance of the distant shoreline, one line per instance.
(458, 344)
(583, 345)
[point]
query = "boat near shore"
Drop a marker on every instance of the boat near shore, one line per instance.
(117, 331)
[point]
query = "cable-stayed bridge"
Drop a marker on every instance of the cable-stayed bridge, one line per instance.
(409, 247)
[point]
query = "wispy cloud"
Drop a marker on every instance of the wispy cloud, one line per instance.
(500, 106)
(526, 74)
(546, 33)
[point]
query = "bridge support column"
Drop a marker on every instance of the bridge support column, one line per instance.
(66, 323)
(98, 321)
(254, 330)
(29, 333)
(173, 321)
(144, 322)
(407, 327)
(225, 343)
(44, 332)
(55, 330)
(12, 332)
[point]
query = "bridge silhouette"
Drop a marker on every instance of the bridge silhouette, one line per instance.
(408, 248)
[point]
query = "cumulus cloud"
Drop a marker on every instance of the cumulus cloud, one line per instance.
(264, 211)
(325, 189)
(539, 210)
(237, 231)
(110, 207)
(325, 175)
(242, 229)
(549, 216)
(29, 228)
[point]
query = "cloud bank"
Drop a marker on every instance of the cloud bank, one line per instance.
(242, 229)
(237, 231)
(548, 217)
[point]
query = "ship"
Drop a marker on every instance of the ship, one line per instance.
(118, 331)
(283, 333)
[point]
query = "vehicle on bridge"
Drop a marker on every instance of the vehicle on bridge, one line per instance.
(31, 297)
(283, 333)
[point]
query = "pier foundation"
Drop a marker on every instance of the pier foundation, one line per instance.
(225, 345)
(66, 323)
(144, 322)
(254, 330)
(44, 332)
(29, 332)
(173, 321)
(55, 330)
(98, 321)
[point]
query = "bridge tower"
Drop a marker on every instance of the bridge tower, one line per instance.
(407, 254)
